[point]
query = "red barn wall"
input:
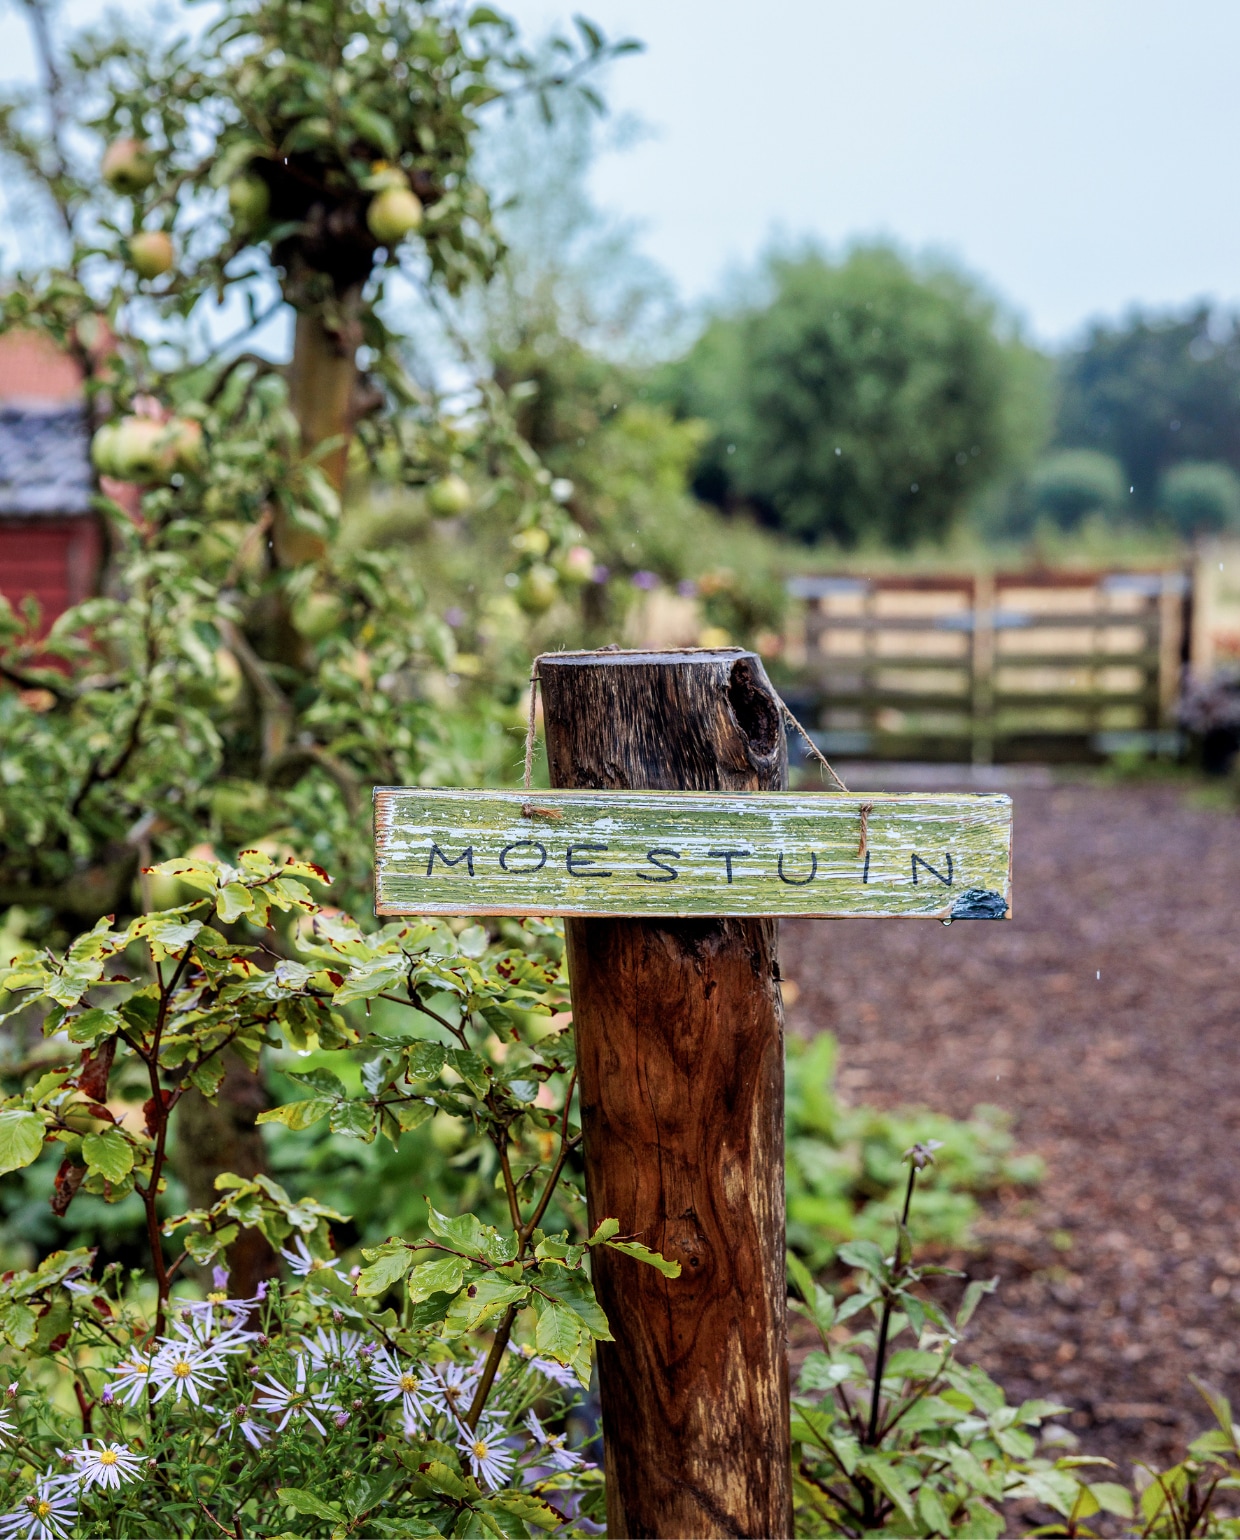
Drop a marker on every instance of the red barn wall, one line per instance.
(54, 557)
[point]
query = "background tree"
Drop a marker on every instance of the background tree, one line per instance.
(1070, 485)
(1154, 390)
(1200, 497)
(866, 399)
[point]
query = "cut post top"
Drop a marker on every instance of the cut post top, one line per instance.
(664, 854)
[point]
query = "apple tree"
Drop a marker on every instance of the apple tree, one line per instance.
(250, 668)
(249, 671)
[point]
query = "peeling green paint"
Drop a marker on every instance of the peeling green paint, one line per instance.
(665, 854)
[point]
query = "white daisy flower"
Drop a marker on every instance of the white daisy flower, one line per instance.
(449, 1387)
(555, 1451)
(301, 1401)
(303, 1262)
(217, 1307)
(489, 1459)
(240, 1421)
(559, 1374)
(106, 1466)
(184, 1369)
(392, 1379)
(48, 1513)
(334, 1348)
(7, 1428)
(133, 1375)
(199, 1332)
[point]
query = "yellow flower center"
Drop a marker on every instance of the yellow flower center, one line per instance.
(217, 1297)
(108, 1457)
(408, 1382)
(42, 1508)
(480, 1449)
(182, 1370)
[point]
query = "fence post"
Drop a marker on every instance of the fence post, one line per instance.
(680, 1046)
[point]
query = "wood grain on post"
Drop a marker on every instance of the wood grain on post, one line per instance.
(680, 1046)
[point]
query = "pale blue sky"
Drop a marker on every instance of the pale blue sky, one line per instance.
(1079, 155)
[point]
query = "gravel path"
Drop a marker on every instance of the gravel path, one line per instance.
(1106, 1018)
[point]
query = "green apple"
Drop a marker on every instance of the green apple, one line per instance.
(103, 450)
(536, 592)
(576, 565)
(316, 615)
(449, 497)
(535, 541)
(141, 451)
(184, 436)
(392, 214)
(249, 198)
(151, 253)
(128, 166)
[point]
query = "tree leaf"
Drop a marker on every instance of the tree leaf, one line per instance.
(528, 1508)
(885, 1476)
(443, 1479)
(389, 1267)
(307, 1503)
(21, 1139)
(913, 1364)
(18, 1324)
(321, 1079)
(297, 1115)
(865, 1255)
(575, 1291)
(442, 1276)
(93, 1024)
(109, 1153)
(375, 129)
(558, 1333)
(483, 1298)
(1113, 1497)
(932, 1511)
(973, 1296)
(356, 1118)
(466, 1231)
(641, 1253)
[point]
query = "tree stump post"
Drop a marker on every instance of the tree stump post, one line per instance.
(680, 1050)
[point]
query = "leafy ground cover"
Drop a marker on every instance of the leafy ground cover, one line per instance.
(1102, 1020)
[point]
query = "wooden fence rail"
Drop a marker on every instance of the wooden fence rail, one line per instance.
(1013, 666)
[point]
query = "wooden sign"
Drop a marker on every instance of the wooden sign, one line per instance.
(667, 854)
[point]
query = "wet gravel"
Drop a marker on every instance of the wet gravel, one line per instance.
(1106, 1019)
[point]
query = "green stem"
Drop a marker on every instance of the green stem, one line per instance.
(504, 1330)
(880, 1355)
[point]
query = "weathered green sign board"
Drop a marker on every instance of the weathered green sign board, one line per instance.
(667, 853)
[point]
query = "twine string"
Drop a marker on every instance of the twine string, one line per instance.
(528, 810)
(815, 751)
(863, 845)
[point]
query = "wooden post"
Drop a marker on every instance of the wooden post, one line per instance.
(680, 1046)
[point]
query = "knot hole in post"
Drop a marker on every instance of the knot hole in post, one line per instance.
(755, 710)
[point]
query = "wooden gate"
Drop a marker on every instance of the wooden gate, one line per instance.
(1013, 666)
